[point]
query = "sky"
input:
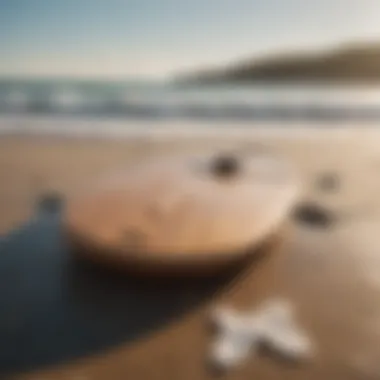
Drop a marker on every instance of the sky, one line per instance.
(158, 38)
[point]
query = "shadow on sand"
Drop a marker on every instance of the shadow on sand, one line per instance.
(55, 308)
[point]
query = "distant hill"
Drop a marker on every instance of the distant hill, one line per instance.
(358, 63)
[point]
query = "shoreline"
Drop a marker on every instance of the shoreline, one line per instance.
(87, 128)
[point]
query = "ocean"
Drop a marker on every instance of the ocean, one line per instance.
(47, 105)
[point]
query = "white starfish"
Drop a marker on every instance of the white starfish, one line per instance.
(271, 325)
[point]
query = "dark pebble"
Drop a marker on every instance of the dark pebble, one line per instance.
(49, 203)
(314, 215)
(328, 182)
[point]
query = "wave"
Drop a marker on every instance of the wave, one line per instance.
(165, 102)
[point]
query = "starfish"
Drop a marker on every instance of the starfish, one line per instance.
(271, 325)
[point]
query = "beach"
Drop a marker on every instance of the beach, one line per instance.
(250, 250)
(328, 272)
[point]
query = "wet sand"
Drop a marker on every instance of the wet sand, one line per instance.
(331, 274)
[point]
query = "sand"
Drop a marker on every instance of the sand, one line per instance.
(331, 275)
